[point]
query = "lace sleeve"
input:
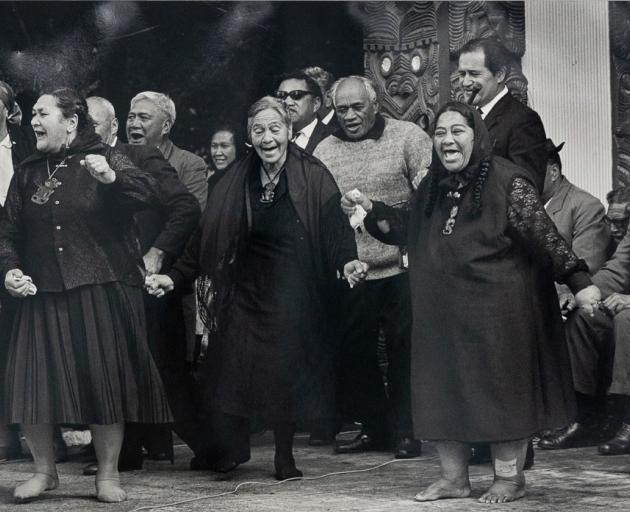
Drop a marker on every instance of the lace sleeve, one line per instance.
(529, 220)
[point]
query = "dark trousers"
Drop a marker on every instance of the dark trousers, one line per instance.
(374, 307)
(166, 331)
(599, 348)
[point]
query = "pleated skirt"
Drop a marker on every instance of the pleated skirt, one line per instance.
(81, 356)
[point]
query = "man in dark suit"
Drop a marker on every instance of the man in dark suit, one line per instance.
(303, 98)
(16, 143)
(162, 234)
(517, 131)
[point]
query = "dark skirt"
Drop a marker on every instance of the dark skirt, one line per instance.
(81, 356)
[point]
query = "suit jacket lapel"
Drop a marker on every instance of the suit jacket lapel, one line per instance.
(497, 111)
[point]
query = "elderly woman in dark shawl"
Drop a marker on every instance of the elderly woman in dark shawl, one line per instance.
(271, 241)
(489, 361)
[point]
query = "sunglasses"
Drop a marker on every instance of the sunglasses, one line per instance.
(294, 95)
(619, 223)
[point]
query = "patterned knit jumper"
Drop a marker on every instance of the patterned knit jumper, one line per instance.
(383, 169)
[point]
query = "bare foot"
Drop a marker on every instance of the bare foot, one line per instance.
(443, 489)
(34, 486)
(108, 490)
(502, 491)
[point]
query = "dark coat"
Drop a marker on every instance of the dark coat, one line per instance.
(85, 233)
(23, 140)
(519, 135)
(489, 359)
(269, 355)
(320, 132)
(169, 227)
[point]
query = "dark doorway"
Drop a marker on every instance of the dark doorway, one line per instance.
(213, 58)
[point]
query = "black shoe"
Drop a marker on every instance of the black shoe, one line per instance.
(407, 448)
(618, 445)
(362, 443)
(480, 454)
(573, 436)
(529, 456)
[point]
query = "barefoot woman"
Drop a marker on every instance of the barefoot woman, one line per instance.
(78, 351)
(489, 362)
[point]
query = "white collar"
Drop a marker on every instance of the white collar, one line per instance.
(113, 144)
(307, 131)
(328, 117)
(485, 110)
(6, 142)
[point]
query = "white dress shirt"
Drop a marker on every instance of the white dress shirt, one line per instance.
(302, 137)
(6, 167)
(328, 117)
(485, 110)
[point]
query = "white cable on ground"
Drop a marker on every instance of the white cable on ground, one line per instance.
(273, 484)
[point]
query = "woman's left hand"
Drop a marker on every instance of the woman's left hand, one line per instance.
(98, 167)
(588, 299)
(355, 271)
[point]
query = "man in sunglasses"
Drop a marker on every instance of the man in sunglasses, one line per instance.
(302, 98)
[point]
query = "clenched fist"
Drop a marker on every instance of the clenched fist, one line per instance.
(98, 167)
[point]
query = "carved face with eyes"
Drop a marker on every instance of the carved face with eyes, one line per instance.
(403, 78)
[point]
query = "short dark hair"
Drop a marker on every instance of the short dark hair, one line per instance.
(496, 56)
(230, 128)
(619, 195)
(70, 102)
(554, 159)
(311, 84)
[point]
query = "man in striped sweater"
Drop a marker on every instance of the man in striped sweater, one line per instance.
(383, 158)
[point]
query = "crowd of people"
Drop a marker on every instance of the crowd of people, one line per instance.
(340, 266)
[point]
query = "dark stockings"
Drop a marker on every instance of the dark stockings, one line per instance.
(283, 460)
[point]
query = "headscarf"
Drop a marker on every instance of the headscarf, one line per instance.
(440, 178)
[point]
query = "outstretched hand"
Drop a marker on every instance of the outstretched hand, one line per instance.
(588, 299)
(355, 271)
(158, 285)
(351, 199)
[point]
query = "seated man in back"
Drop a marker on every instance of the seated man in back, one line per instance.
(599, 347)
(578, 215)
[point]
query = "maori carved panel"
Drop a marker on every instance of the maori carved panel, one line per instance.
(502, 20)
(402, 43)
(401, 57)
(619, 15)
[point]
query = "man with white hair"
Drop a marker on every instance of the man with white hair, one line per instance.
(382, 158)
(162, 234)
(150, 121)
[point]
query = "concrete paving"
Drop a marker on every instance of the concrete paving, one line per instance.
(576, 480)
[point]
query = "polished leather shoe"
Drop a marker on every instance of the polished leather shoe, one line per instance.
(573, 436)
(362, 443)
(407, 448)
(618, 445)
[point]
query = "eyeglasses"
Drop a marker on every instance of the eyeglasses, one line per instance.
(618, 223)
(294, 95)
